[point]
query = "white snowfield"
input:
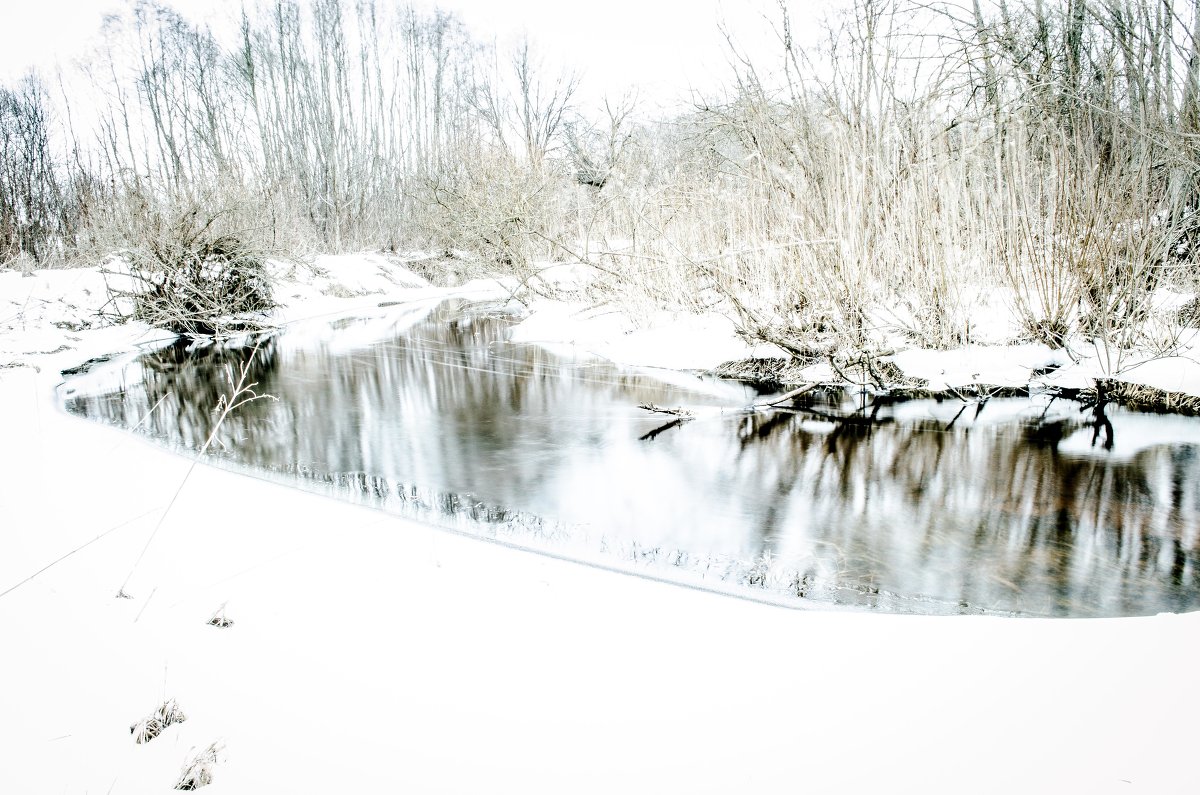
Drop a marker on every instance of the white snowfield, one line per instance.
(371, 654)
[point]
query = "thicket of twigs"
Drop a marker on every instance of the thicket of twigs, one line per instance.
(1035, 157)
(183, 270)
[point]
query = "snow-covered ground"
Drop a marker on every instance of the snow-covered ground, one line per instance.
(370, 654)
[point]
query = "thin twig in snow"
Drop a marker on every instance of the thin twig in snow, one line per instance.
(58, 560)
(241, 394)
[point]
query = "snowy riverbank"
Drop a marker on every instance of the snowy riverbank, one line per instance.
(369, 653)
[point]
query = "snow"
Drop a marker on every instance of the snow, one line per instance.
(1179, 373)
(370, 653)
(997, 365)
(666, 340)
(1133, 433)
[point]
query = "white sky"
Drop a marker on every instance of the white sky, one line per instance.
(665, 47)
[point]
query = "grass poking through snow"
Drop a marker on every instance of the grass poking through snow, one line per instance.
(198, 771)
(219, 619)
(156, 723)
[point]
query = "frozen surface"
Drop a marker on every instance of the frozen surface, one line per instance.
(925, 506)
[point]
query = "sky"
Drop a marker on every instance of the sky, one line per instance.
(664, 47)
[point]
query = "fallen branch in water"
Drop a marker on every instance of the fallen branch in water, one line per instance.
(675, 412)
(680, 414)
(786, 396)
(662, 428)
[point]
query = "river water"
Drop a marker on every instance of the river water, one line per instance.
(1007, 506)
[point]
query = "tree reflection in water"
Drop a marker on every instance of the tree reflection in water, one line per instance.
(919, 506)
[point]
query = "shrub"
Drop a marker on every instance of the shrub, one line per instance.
(190, 275)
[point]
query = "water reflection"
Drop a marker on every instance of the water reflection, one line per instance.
(1002, 505)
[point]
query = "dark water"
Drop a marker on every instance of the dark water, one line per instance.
(928, 507)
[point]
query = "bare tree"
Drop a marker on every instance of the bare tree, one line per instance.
(595, 149)
(33, 214)
(522, 109)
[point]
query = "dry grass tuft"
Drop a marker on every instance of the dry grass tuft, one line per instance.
(219, 619)
(198, 771)
(772, 371)
(1189, 314)
(150, 727)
